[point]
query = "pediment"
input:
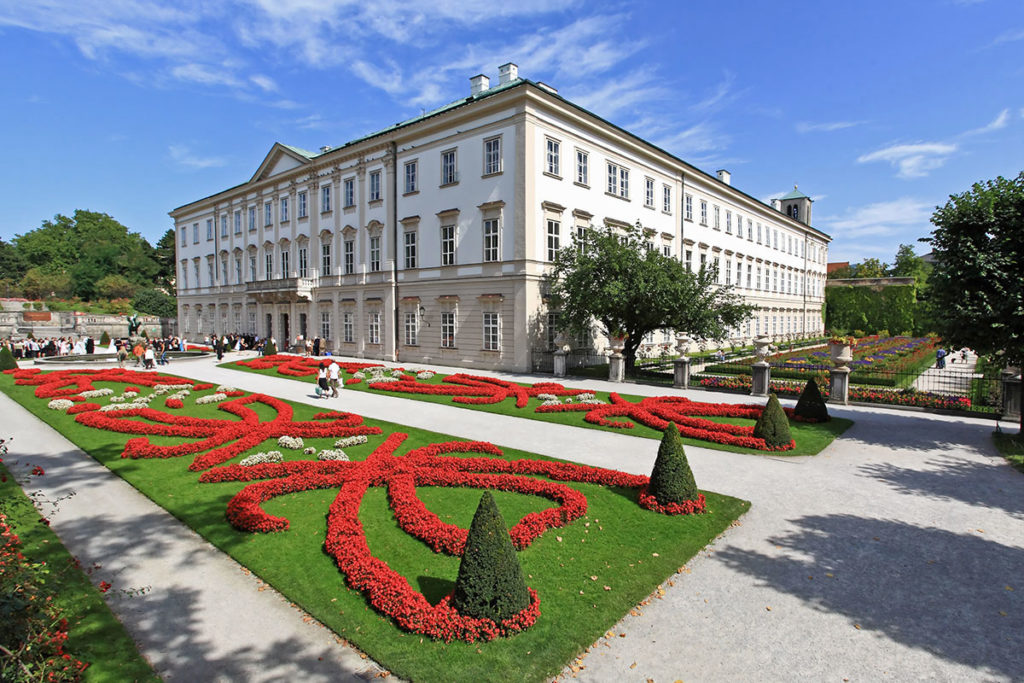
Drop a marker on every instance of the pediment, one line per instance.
(280, 159)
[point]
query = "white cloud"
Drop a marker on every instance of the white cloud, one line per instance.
(912, 160)
(265, 83)
(998, 123)
(1011, 36)
(205, 75)
(881, 219)
(721, 95)
(825, 127)
(183, 156)
(619, 94)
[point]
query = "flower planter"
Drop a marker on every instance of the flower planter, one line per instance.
(841, 354)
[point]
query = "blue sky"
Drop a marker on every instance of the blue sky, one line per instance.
(879, 110)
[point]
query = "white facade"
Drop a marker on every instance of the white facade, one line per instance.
(428, 241)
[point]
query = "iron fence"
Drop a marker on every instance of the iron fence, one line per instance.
(543, 360)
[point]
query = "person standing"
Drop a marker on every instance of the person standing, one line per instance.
(321, 379)
(219, 348)
(940, 358)
(334, 377)
(150, 357)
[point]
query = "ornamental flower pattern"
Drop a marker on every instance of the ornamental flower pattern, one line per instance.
(457, 464)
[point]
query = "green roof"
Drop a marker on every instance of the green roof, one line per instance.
(795, 194)
(298, 150)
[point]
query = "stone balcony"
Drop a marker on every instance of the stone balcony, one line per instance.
(282, 290)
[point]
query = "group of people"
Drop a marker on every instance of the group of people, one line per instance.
(49, 346)
(328, 379)
(942, 354)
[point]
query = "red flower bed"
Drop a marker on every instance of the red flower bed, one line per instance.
(299, 366)
(687, 507)
(202, 386)
(82, 407)
(215, 441)
(174, 403)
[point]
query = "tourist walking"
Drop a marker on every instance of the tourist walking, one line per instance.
(321, 380)
(940, 358)
(334, 377)
(122, 354)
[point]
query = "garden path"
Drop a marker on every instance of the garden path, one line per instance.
(954, 379)
(895, 553)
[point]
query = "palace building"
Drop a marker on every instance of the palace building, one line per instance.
(428, 240)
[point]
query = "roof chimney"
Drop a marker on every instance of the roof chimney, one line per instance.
(478, 84)
(725, 176)
(777, 204)
(325, 149)
(507, 73)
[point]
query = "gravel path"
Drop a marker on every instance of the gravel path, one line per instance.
(895, 554)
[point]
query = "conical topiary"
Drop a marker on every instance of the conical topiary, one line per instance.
(490, 582)
(672, 479)
(270, 349)
(104, 339)
(773, 426)
(7, 361)
(811, 405)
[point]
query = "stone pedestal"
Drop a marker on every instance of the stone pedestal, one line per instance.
(616, 367)
(840, 390)
(1011, 394)
(761, 372)
(559, 363)
(681, 368)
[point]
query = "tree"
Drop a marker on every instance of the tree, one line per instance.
(155, 302)
(39, 284)
(7, 361)
(977, 281)
(12, 264)
(490, 583)
(811, 405)
(617, 278)
(115, 287)
(164, 255)
(773, 425)
(869, 267)
(672, 479)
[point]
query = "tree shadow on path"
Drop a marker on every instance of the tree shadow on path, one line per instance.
(926, 588)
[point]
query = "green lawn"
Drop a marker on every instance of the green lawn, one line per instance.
(95, 635)
(1012, 448)
(617, 544)
(810, 439)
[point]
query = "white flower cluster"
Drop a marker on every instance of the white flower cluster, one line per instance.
(349, 441)
(120, 406)
(161, 389)
(585, 397)
(332, 454)
(547, 397)
(309, 450)
(180, 395)
(377, 379)
(140, 399)
(130, 390)
(61, 404)
(212, 398)
(293, 442)
(225, 388)
(261, 458)
(96, 393)
(396, 372)
(117, 399)
(425, 374)
(359, 374)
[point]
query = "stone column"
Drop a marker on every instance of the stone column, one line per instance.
(840, 391)
(559, 363)
(761, 373)
(681, 368)
(616, 367)
(1011, 393)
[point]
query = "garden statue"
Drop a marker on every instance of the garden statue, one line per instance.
(133, 324)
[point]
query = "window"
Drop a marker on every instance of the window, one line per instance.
(739, 274)
(184, 276)
(666, 249)
(447, 245)
(302, 204)
(412, 329)
(373, 328)
(410, 249)
(195, 233)
(350, 257)
(252, 269)
(581, 236)
(348, 188)
(718, 271)
(703, 212)
(759, 233)
(347, 327)
(688, 207)
(703, 261)
(325, 198)
(689, 260)
(375, 186)
(649, 192)
(718, 219)
(284, 209)
(728, 222)
(195, 271)
(252, 218)
(618, 181)
(491, 250)
(238, 270)
(325, 324)
(582, 167)
(209, 228)
(224, 225)
(749, 269)
(449, 173)
(269, 264)
(553, 230)
(492, 331)
(448, 329)
(268, 214)
(184, 237)
(553, 153)
(286, 266)
(758, 278)
(492, 156)
(750, 229)
(325, 258)
(303, 262)
(209, 271)
(666, 199)
(552, 329)
(375, 253)
(410, 177)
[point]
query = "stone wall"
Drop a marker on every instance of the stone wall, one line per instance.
(18, 324)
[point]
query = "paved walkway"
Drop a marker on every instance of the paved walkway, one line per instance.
(895, 554)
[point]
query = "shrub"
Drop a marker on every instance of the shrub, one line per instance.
(773, 426)
(7, 361)
(270, 348)
(672, 479)
(811, 405)
(105, 339)
(490, 583)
